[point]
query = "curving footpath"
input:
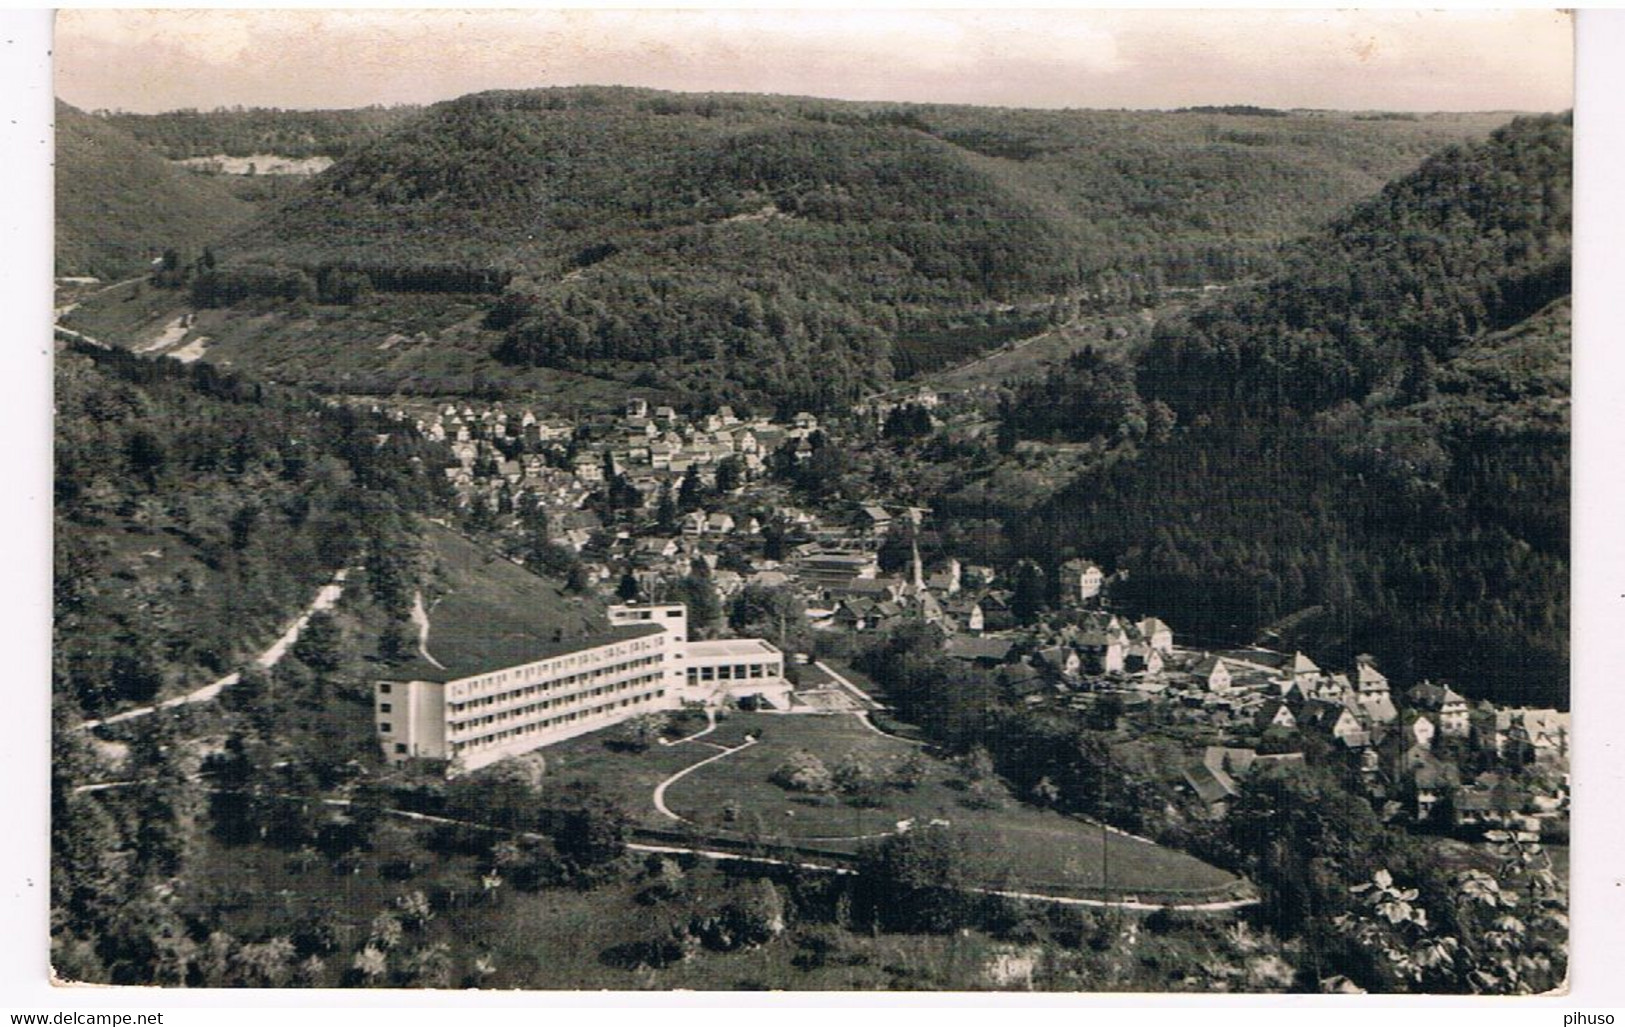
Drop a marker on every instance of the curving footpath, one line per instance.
(660, 789)
(710, 726)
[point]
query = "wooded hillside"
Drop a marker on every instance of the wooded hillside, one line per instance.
(119, 205)
(785, 245)
(1380, 431)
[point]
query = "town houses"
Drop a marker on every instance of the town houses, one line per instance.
(649, 498)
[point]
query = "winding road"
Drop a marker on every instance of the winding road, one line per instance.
(326, 597)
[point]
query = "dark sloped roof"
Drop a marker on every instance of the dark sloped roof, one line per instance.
(1210, 783)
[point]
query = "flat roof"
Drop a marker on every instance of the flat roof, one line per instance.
(501, 653)
(719, 648)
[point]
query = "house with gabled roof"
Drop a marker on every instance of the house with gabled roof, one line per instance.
(1431, 780)
(1157, 634)
(1213, 786)
(1060, 660)
(1446, 704)
(878, 589)
(967, 615)
(1213, 675)
(1334, 721)
(874, 519)
(1081, 580)
(946, 578)
(984, 650)
(1104, 649)
(1143, 659)
(1275, 714)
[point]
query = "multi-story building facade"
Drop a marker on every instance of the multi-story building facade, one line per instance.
(522, 698)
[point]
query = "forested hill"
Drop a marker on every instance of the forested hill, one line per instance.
(239, 132)
(787, 245)
(118, 204)
(1379, 432)
(197, 510)
(1475, 241)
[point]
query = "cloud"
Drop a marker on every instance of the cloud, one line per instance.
(161, 59)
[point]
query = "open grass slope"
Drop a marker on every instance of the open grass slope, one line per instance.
(482, 601)
(1012, 845)
(429, 346)
(118, 204)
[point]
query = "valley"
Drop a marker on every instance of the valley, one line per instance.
(1009, 431)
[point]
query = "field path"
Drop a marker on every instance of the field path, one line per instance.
(420, 617)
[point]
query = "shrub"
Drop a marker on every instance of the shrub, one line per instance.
(804, 772)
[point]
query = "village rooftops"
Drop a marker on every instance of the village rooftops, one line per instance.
(996, 650)
(502, 653)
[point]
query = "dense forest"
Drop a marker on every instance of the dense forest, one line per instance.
(119, 205)
(249, 132)
(195, 510)
(1379, 433)
(796, 249)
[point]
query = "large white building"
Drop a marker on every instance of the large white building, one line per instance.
(521, 698)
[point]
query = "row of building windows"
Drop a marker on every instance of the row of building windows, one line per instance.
(536, 727)
(733, 672)
(642, 681)
(552, 686)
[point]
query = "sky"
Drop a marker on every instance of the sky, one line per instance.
(1402, 60)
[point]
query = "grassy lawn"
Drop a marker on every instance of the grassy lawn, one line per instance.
(630, 777)
(1015, 845)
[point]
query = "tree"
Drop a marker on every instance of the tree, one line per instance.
(773, 540)
(576, 579)
(628, 590)
(637, 734)
(385, 932)
(415, 911)
(1028, 599)
(589, 832)
(691, 493)
(666, 511)
(265, 964)
(803, 772)
(730, 474)
(916, 881)
(753, 915)
(371, 966)
(859, 778)
(1305, 841)
(911, 771)
(318, 646)
(704, 608)
(397, 641)
(147, 456)
(767, 610)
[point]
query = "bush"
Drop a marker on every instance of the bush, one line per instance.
(804, 772)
